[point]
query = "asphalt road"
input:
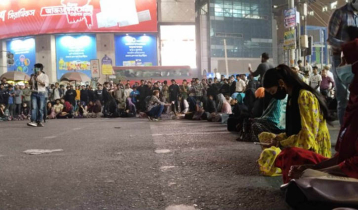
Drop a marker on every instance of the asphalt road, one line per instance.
(131, 164)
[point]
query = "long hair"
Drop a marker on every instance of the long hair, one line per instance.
(291, 79)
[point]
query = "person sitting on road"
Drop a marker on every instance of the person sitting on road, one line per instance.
(50, 111)
(155, 107)
(306, 116)
(272, 120)
(345, 163)
(67, 111)
(58, 107)
(131, 110)
(223, 106)
(4, 113)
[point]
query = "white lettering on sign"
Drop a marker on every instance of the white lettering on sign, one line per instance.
(21, 13)
(2, 15)
(73, 12)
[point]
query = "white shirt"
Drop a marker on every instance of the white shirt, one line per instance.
(56, 94)
(315, 79)
(43, 78)
(127, 93)
(240, 86)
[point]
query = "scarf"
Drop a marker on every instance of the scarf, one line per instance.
(293, 116)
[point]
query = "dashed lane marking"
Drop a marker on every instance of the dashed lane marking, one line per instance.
(162, 151)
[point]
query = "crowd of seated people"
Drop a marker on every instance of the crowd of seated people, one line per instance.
(284, 110)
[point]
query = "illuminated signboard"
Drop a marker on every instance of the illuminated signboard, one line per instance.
(24, 17)
(136, 50)
(24, 55)
(74, 53)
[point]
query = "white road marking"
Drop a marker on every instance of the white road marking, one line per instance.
(162, 151)
(171, 184)
(50, 137)
(41, 151)
(180, 207)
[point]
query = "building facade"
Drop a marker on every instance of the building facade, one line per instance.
(247, 27)
(66, 35)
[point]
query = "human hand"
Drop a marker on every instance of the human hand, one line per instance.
(296, 171)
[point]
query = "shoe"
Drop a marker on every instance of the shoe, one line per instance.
(155, 120)
(32, 124)
(150, 118)
(40, 125)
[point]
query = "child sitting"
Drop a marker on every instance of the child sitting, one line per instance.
(25, 111)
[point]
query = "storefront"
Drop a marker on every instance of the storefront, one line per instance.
(66, 35)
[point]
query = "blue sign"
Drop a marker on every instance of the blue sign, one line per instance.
(24, 51)
(136, 50)
(74, 53)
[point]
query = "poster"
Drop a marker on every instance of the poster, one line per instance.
(136, 50)
(290, 18)
(289, 42)
(24, 17)
(74, 53)
(107, 66)
(24, 51)
(95, 70)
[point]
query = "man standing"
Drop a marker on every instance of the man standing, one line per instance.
(327, 84)
(315, 79)
(262, 68)
(127, 91)
(10, 102)
(71, 96)
(18, 100)
(4, 82)
(240, 85)
(337, 35)
(141, 98)
(173, 95)
(4, 95)
(198, 87)
(99, 94)
(57, 93)
(38, 81)
(27, 95)
(300, 66)
(84, 96)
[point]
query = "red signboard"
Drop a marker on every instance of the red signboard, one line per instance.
(32, 17)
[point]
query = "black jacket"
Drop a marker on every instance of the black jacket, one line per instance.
(173, 92)
(213, 91)
(70, 96)
(211, 106)
(91, 95)
(98, 95)
(4, 96)
(225, 89)
(84, 95)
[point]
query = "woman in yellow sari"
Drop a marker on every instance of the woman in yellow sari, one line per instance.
(306, 127)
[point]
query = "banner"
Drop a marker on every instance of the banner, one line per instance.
(24, 55)
(107, 66)
(95, 70)
(74, 53)
(289, 40)
(136, 50)
(290, 18)
(24, 17)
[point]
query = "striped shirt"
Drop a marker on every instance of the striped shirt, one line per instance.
(340, 20)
